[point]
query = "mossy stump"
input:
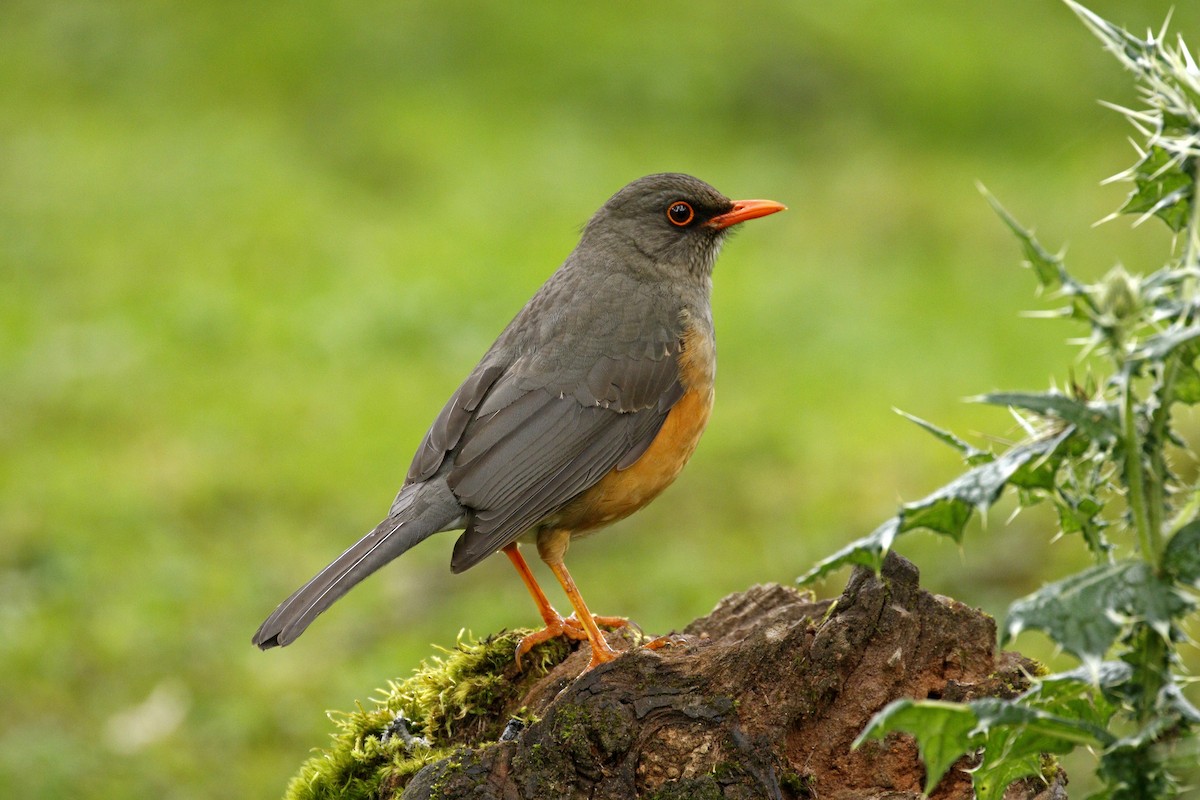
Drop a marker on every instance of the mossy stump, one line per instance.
(762, 698)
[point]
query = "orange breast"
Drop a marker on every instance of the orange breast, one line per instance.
(623, 491)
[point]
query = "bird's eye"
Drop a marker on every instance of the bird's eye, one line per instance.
(680, 213)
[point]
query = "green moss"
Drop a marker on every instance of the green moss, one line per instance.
(451, 700)
(725, 771)
(452, 766)
(1050, 765)
(704, 787)
(591, 729)
(1012, 682)
(570, 723)
(798, 785)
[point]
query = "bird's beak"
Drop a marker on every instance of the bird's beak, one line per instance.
(743, 210)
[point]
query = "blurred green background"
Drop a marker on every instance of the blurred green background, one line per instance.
(248, 249)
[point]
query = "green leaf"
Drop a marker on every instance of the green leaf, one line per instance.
(1097, 421)
(943, 732)
(995, 773)
(1048, 268)
(942, 513)
(1042, 731)
(1016, 737)
(1086, 612)
(1105, 675)
(1181, 558)
(1089, 695)
(1187, 385)
(1037, 473)
(1161, 188)
(1081, 514)
(868, 551)
(1132, 771)
(970, 453)
(947, 510)
(1013, 735)
(1173, 704)
(1124, 45)
(1162, 345)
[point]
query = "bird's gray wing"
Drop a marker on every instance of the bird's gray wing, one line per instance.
(530, 449)
(443, 435)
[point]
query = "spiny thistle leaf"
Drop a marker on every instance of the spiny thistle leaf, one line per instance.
(1182, 555)
(868, 551)
(1161, 189)
(1045, 731)
(1086, 612)
(1164, 177)
(1085, 694)
(1159, 346)
(1096, 421)
(1187, 385)
(946, 513)
(1172, 703)
(1103, 675)
(944, 732)
(1081, 514)
(1055, 715)
(1017, 735)
(970, 453)
(1048, 268)
(1126, 47)
(1014, 736)
(947, 510)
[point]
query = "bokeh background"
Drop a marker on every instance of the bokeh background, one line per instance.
(248, 249)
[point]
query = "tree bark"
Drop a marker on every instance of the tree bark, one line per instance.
(762, 698)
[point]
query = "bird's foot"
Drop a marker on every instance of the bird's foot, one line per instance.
(555, 627)
(602, 653)
(667, 640)
(572, 628)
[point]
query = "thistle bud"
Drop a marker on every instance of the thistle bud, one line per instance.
(1119, 294)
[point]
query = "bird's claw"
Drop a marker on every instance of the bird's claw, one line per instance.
(570, 627)
(666, 640)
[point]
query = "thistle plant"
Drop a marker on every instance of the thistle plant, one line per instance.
(1105, 454)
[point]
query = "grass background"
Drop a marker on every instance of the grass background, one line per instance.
(247, 250)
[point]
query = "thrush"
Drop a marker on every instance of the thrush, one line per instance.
(585, 408)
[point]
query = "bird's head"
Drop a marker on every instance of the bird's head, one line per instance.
(670, 220)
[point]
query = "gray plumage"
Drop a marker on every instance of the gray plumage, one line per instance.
(578, 383)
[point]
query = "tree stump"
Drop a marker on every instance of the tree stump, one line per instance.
(762, 698)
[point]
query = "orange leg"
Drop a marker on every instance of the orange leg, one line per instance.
(555, 624)
(552, 546)
(579, 626)
(601, 652)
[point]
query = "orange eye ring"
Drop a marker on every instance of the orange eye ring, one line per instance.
(680, 213)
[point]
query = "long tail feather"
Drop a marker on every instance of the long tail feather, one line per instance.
(413, 518)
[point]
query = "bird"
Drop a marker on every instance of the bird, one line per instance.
(587, 406)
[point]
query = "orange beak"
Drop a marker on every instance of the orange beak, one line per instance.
(743, 210)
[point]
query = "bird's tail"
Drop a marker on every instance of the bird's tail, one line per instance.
(419, 511)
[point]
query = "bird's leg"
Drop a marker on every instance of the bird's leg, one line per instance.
(601, 652)
(552, 546)
(555, 624)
